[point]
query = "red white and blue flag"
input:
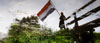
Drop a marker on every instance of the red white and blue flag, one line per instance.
(46, 10)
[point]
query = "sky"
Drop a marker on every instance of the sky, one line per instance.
(11, 9)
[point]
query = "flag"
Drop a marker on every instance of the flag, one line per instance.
(46, 10)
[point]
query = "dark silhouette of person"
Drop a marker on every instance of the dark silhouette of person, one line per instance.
(62, 19)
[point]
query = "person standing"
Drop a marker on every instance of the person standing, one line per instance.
(62, 19)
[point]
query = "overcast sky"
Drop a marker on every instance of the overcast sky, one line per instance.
(11, 9)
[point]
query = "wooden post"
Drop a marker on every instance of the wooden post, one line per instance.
(76, 29)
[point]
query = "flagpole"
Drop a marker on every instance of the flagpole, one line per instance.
(55, 7)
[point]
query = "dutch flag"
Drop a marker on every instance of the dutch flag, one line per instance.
(46, 10)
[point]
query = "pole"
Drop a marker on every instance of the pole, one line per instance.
(55, 7)
(76, 22)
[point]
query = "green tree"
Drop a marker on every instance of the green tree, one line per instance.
(28, 33)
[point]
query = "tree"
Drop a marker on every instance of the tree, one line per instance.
(32, 33)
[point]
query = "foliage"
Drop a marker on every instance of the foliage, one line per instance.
(97, 37)
(1, 41)
(28, 30)
(65, 35)
(20, 34)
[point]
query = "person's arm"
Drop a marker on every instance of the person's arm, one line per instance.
(67, 18)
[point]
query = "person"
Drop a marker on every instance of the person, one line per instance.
(62, 19)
